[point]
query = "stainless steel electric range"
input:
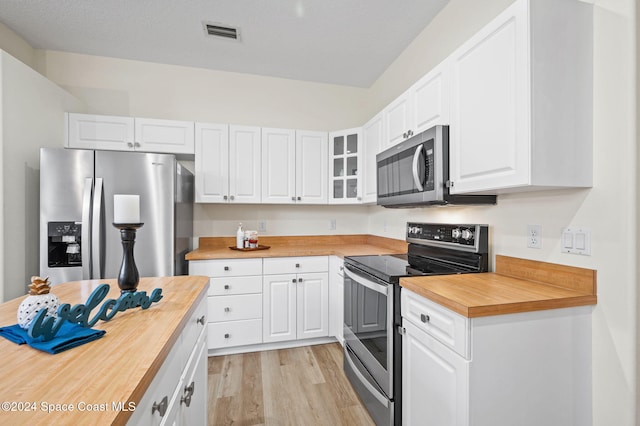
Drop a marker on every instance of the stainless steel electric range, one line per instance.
(372, 350)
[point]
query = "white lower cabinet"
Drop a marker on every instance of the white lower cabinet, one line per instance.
(295, 300)
(531, 368)
(336, 298)
(178, 393)
(234, 300)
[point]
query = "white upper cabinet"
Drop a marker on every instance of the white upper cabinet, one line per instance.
(212, 163)
(105, 132)
(373, 134)
(172, 136)
(227, 163)
(521, 100)
(294, 166)
(423, 105)
(278, 166)
(345, 150)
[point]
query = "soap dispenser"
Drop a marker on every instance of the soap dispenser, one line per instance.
(240, 237)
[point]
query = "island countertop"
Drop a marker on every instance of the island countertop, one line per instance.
(517, 285)
(286, 246)
(116, 368)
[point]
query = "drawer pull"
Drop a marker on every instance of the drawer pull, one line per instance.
(227, 335)
(188, 393)
(227, 309)
(200, 320)
(424, 318)
(226, 287)
(160, 408)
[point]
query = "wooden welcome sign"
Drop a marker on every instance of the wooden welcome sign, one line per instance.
(48, 326)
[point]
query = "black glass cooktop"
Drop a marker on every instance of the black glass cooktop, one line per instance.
(391, 267)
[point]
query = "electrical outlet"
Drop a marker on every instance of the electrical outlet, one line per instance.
(332, 224)
(262, 226)
(534, 236)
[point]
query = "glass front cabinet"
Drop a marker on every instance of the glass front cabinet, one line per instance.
(345, 163)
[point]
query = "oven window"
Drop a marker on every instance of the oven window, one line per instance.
(365, 314)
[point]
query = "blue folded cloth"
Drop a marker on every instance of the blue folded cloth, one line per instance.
(69, 336)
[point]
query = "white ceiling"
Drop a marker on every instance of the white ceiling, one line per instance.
(346, 42)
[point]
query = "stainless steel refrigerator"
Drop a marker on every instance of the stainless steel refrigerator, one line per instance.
(77, 238)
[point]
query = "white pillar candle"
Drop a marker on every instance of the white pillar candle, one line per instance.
(126, 208)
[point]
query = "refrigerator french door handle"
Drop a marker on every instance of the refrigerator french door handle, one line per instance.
(97, 252)
(86, 228)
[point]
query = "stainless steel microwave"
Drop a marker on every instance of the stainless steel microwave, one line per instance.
(415, 173)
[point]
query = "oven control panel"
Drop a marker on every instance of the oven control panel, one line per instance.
(458, 235)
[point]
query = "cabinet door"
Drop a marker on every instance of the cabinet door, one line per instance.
(312, 168)
(87, 131)
(212, 163)
(344, 167)
(434, 381)
(192, 396)
(278, 166)
(279, 308)
(372, 134)
(336, 297)
(167, 136)
(244, 164)
(398, 118)
(490, 106)
(313, 305)
(430, 97)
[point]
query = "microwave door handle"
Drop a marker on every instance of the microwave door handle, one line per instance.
(416, 158)
(383, 289)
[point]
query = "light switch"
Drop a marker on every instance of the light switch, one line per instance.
(576, 241)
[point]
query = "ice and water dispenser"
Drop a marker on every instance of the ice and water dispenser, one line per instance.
(65, 245)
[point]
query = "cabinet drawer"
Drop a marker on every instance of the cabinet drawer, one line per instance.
(443, 324)
(296, 265)
(235, 285)
(232, 308)
(196, 323)
(225, 267)
(234, 333)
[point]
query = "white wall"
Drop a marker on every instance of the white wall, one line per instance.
(609, 209)
(32, 117)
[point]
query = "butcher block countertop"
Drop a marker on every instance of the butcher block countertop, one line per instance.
(115, 368)
(517, 285)
(313, 245)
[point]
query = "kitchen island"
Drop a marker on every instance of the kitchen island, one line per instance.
(110, 380)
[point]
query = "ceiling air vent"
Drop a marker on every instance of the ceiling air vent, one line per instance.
(221, 31)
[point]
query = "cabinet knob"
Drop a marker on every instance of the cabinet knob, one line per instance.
(299, 198)
(227, 335)
(294, 280)
(227, 309)
(161, 408)
(226, 286)
(226, 268)
(299, 280)
(200, 320)
(129, 144)
(424, 318)
(404, 135)
(231, 197)
(225, 198)
(297, 265)
(293, 198)
(137, 145)
(187, 394)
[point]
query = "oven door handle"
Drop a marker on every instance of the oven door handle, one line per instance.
(379, 288)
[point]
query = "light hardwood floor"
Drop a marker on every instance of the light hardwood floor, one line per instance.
(298, 386)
